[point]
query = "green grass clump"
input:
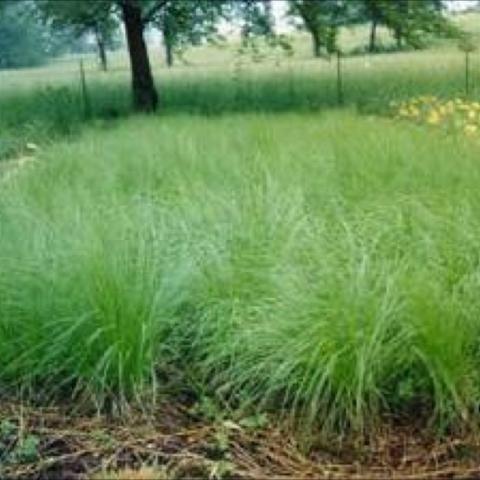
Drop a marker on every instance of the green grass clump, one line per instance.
(322, 266)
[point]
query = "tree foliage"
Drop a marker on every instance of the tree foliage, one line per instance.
(410, 21)
(135, 15)
(23, 40)
(81, 18)
(257, 22)
(322, 19)
(255, 16)
(180, 21)
(183, 23)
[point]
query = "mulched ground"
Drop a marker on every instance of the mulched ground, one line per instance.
(51, 443)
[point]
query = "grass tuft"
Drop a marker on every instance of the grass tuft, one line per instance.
(321, 266)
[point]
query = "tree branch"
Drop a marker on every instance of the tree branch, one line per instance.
(148, 16)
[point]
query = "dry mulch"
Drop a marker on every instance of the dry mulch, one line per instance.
(71, 446)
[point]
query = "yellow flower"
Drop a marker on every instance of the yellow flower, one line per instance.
(450, 106)
(427, 99)
(414, 111)
(470, 129)
(433, 118)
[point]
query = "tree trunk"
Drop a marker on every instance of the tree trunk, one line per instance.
(168, 45)
(169, 54)
(331, 42)
(373, 36)
(102, 54)
(145, 97)
(316, 44)
(399, 43)
(398, 37)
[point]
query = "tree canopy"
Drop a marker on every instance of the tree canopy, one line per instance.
(409, 20)
(23, 40)
(83, 18)
(321, 19)
(183, 23)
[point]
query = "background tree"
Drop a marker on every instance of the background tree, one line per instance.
(255, 17)
(104, 32)
(180, 19)
(24, 42)
(411, 21)
(256, 21)
(82, 18)
(136, 15)
(186, 22)
(374, 11)
(321, 19)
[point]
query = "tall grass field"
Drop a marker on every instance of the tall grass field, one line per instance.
(323, 266)
(43, 105)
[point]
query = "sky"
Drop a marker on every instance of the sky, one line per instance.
(460, 4)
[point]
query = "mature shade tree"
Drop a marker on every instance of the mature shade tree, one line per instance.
(321, 19)
(180, 21)
(256, 18)
(82, 18)
(104, 33)
(374, 11)
(136, 15)
(409, 20)
(187, 22)
(24, 42)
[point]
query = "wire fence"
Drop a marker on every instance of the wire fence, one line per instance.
(367, 81)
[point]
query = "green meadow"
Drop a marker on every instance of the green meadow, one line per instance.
(47, 103)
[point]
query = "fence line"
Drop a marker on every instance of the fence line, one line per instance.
(348, 76)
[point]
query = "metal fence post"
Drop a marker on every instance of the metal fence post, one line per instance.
(87, 108)
(340, 96)
(467, 73)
